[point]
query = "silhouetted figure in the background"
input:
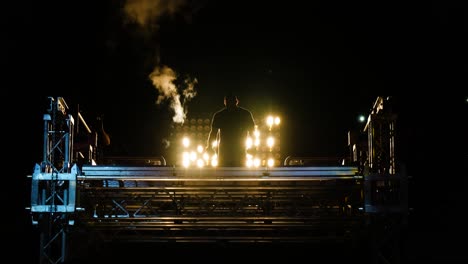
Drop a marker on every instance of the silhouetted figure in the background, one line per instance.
(103, 139)
(230, 127)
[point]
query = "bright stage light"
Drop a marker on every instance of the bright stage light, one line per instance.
(186, 142)
(262, 145)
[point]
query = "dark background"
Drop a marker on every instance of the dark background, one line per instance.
(319, 64)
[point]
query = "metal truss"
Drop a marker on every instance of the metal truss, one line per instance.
(224, 204)
(53, 183)
(385, 187)
(156, 203)
(380, 128)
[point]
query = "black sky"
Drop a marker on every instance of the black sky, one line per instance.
(318, 63)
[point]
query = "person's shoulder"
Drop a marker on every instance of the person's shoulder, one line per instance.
(220, 111)
(243, 109)
(247, 112)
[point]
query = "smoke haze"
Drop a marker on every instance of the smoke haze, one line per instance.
(147, 12)
(163, 79)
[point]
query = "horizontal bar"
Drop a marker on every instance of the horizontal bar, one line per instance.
(217, 179)
(215, 169)
(52, 208)
(54, 176)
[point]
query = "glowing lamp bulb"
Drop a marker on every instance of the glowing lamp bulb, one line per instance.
(256, 133)
(362, 118)
(277, 120)
(257, 142)
(193, 156)
(200, 149)
(186, 142)
(248, 143)
(200, 163)
(270, 142)
(270, 121)
(256, 163)
(271, 162)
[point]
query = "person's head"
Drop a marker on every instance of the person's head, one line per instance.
(230, 100)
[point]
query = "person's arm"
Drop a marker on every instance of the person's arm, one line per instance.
(212, 135)
(250, 128)
(251, 124)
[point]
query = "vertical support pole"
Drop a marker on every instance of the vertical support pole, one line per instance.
(45, 152)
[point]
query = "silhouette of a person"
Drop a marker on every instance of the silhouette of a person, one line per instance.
(230, 127)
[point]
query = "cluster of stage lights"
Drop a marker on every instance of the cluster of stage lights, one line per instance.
(194, 155)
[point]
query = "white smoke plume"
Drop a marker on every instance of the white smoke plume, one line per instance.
(147, 12)
(163, 79)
